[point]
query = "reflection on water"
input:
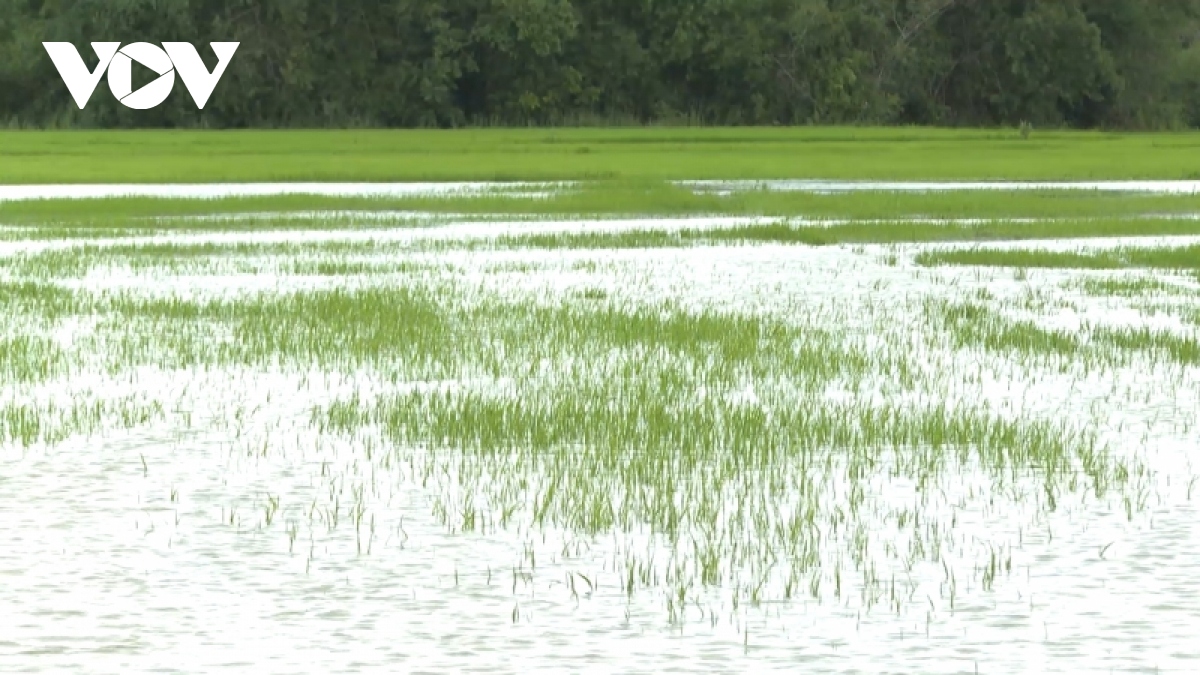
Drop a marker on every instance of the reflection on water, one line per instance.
(535, 189)
(202, 541)
(1144, 186)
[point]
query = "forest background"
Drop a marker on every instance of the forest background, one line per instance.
(1109, 64)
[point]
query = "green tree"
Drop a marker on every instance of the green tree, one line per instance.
(316, 63)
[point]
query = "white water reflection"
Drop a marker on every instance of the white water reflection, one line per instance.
(145, 551)
(541, 189)
(1143, 186)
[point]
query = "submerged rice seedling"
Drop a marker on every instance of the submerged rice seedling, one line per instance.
(1164, 257)
(723, 434)
(809, 233)
(1131, 287)
(973, 325)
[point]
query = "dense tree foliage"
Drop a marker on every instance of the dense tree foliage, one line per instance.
(314, 63)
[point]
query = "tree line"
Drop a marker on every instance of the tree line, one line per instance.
(1129, 64)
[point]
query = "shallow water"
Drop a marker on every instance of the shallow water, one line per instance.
(1143, 186)
(118, 554)
(219, 190)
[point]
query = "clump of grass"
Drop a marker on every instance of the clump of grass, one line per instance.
(779, 232)
(1178, 348)
(1172, 258)
(651, 438)
(52, 232)
(1021, 259)
(883, 232)
(974, 325)
(1123, 287)
(28, 424)
(209, 258)
(44, 300)
(50, 264)
(707, 429)
(595, 199)
(25, 358)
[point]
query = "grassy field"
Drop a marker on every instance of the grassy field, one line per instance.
(594, 409)
(778, 231)
(564, 154)
(640, 198)
(1179, 258)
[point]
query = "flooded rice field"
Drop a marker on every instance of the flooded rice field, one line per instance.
(1135, 186)
(537, 189)
(504, 447)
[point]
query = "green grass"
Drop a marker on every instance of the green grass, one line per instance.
(972, 325)
(426, 331)
(58, 233)
(43, 300)
(596, 199)
(899, 232)
(26, 358)
(646, 436)
(207, 258)
(320, 258)
(28, 424)
(1130, 288)
(1164, 257)
(528, 154)
(975, 325)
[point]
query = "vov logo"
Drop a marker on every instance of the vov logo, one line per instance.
(171, 58)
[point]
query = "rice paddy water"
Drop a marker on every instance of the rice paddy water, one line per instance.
(383, 440)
